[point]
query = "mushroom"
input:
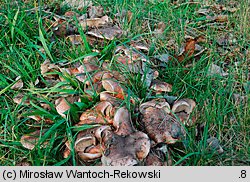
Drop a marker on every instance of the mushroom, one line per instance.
(157, 103)
(160, 86)
(158, 157)
(106, 96)
(62, 104)
(122, 122)
(183, 108)
(160, 126)
(125, 151)
(114, 87)
(186, 105)
(102, 113)
(87, 144)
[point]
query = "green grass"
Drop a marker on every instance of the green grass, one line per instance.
(22, 37)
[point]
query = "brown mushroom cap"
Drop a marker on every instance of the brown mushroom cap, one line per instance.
(87, 144)
(186, 105)
(102, 113)
(160, 86)
(122, 122)
(107, 96)
(159, 156)
(160, 126)
(156, 103)
(125, 151)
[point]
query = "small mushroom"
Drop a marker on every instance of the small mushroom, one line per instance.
(122, 122)
(102, 113)
(186, 105)
(62, 104)
(156, 103)
(114, 87)
(160, 86)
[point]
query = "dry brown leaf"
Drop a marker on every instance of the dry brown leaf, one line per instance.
(220, 7)
(71, 14)
(30, 141)
(161, 26)
(216, 70)
(221, 18)
(75, 39)
(47, 67)
(108, 33)
(95, 11)
(79, 4)
(18, 85)
(60, 27)
(218, 18)
(95, 22)
(23, 164)
(189, 50)
(19, 98)
(67, 150)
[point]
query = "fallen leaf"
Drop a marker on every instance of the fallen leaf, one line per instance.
(31, 140)
(47, 67)
(95, 22)
(108, 33)
(95, 11)
(216, 70)
(71, 14)
(79, 4)
(18, 99)
(23, 164)
(18, 85)
(75, 39)
(214, 145)
(161, 26)
(188, 50)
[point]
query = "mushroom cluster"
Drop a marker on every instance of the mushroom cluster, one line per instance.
(115, 138)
